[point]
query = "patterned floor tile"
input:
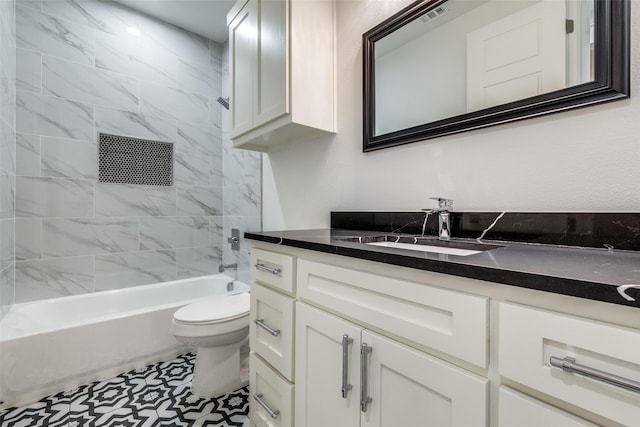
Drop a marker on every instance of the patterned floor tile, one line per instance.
(51, 411)
(157, 395)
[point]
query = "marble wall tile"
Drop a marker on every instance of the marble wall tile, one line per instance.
(7, 85)
(241, 200)
(132, 200)
(106, 16)
(28, 70)
(7, 194)
(173, 103)
(158, 35)
(7, 146)
(135, 125)
(88, 236)
(28, 239)
(53, 197)
(199, 78)
(7, 153)
(54, 36)
(119, 271)
(216, 231)
(199, 201)
(191, 169)
(194, 262)
(53, 278)
(7, 242)
(33, 4)
(173, 232)
(205, 141)
(217, 167)
(216, 52)
(68, 158)
(51, 116)
(27, 155)
(126, 55)
(7, 290)
(216, 111)
(7, 43)
(241, 166)
(166, 82)
(87, 84)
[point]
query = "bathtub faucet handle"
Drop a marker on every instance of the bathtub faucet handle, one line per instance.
(234, 240)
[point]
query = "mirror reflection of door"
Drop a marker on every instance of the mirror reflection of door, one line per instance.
(517, 57)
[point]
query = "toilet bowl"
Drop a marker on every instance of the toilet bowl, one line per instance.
(219, 328)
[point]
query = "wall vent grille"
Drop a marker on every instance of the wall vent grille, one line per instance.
(125, 160)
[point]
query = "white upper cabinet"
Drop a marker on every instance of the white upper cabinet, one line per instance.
(281, 63)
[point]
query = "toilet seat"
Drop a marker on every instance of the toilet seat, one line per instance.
(214, 310)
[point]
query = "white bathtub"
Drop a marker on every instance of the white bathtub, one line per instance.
(58, 344)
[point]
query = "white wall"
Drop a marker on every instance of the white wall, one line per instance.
(582, 160)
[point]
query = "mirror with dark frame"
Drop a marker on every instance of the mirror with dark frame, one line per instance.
(440, 67)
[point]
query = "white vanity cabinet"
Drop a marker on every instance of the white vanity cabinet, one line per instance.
(281, 64)
(350, 376)
(439, 350)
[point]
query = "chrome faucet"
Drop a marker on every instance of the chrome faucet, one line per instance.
(224, 267)
(445, 206)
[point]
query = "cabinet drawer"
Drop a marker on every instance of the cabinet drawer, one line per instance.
(271, 328)
(271, 396)
(273, 269)
(529, 337)
(517, 409)
(447, 321)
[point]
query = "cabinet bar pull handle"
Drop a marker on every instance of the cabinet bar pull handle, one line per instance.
(345, 365)
(273, 414)
(568, 365)
(266, 269)
(260, 322)
(365, 399)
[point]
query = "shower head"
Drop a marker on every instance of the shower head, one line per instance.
(224, 102)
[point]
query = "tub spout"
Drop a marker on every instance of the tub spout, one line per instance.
(224, 267)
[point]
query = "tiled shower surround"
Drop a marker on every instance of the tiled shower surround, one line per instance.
(7, 152)
(80, 72)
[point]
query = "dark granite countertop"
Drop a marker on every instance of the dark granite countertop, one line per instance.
(590, 273)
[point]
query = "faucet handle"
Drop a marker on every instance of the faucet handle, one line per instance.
(443, 203)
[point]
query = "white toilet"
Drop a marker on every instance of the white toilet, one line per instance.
(219, 327)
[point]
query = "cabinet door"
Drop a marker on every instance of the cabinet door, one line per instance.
(271, 96)
(242, 53)
(319, 369)
(410, 388)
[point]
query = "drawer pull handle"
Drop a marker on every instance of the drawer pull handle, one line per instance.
(266, 269)
(365, 399)
(568, 365)
(345, 365)
(273, 414)
(260, 322)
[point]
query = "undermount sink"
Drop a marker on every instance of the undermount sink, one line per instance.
(422, 244)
